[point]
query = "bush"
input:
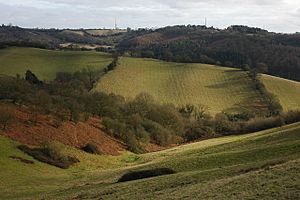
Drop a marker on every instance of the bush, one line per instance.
(6, 117)
(259, 124)
(130, 176)
(168, 117)
(158, 133)
(243, 116)
(292, 116)
(114, 127)
(198, 130)
(50, 154)
(91, 148)
(225, 127)
(32, 78)
(132, 143)
(57, 123)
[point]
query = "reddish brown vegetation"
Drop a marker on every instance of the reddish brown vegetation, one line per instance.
(76, 135)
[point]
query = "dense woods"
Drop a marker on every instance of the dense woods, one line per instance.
(235, 46)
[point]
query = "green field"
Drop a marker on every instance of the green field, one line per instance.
(263, 165)
(46, 63)
(105, 32)
(287, 91)
(218, 88)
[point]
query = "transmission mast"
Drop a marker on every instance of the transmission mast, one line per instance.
(116, 26)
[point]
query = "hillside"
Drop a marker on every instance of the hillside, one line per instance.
(69, 133)
(105, 32)
(261, 165)
(46, 63)
(52, 38)
(287, 91)
(235, 46)
(217, 88)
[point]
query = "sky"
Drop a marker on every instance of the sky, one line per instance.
(273, 15)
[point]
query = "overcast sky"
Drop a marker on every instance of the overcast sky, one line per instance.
(274, 15)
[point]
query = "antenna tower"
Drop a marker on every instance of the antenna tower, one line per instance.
(116, 26)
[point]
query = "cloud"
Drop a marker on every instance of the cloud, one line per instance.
(151, 13)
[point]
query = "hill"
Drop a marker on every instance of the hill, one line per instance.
(52, 38)
(105, 32)
(217, 88)
(262, 165)
(287, 91)
(235, 46)
(46, 63)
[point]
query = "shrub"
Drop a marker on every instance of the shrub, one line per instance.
(198, 130)
(130, 176)
(158, 133)
(91, 148)
(114, 127)
(32, 78)
(53, 150)
(225, 127)
(259, 124)
(132, 143)
(168, 117)
(57, 123)
(6, 117)
(87, 116)
(50, 154)
(292, 116)
(142, 135)
(243, 116)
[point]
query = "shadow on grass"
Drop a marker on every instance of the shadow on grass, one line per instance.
(41, 154)
(136, 175)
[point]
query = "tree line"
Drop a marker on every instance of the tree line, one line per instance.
(232, 47)
(137, 122)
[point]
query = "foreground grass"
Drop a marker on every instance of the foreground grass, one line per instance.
(263, 165)
(20, 180)
(287, 91)
(218, 88)
(46, 63)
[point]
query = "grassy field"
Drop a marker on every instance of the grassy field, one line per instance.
(262, 165)
(218, 88)
(104, 32)
(287, 91)
(46, 63)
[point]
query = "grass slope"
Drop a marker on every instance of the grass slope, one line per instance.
(46, 63)
(287, 91)
(23, 181)
(262, 165)
(218, 88)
